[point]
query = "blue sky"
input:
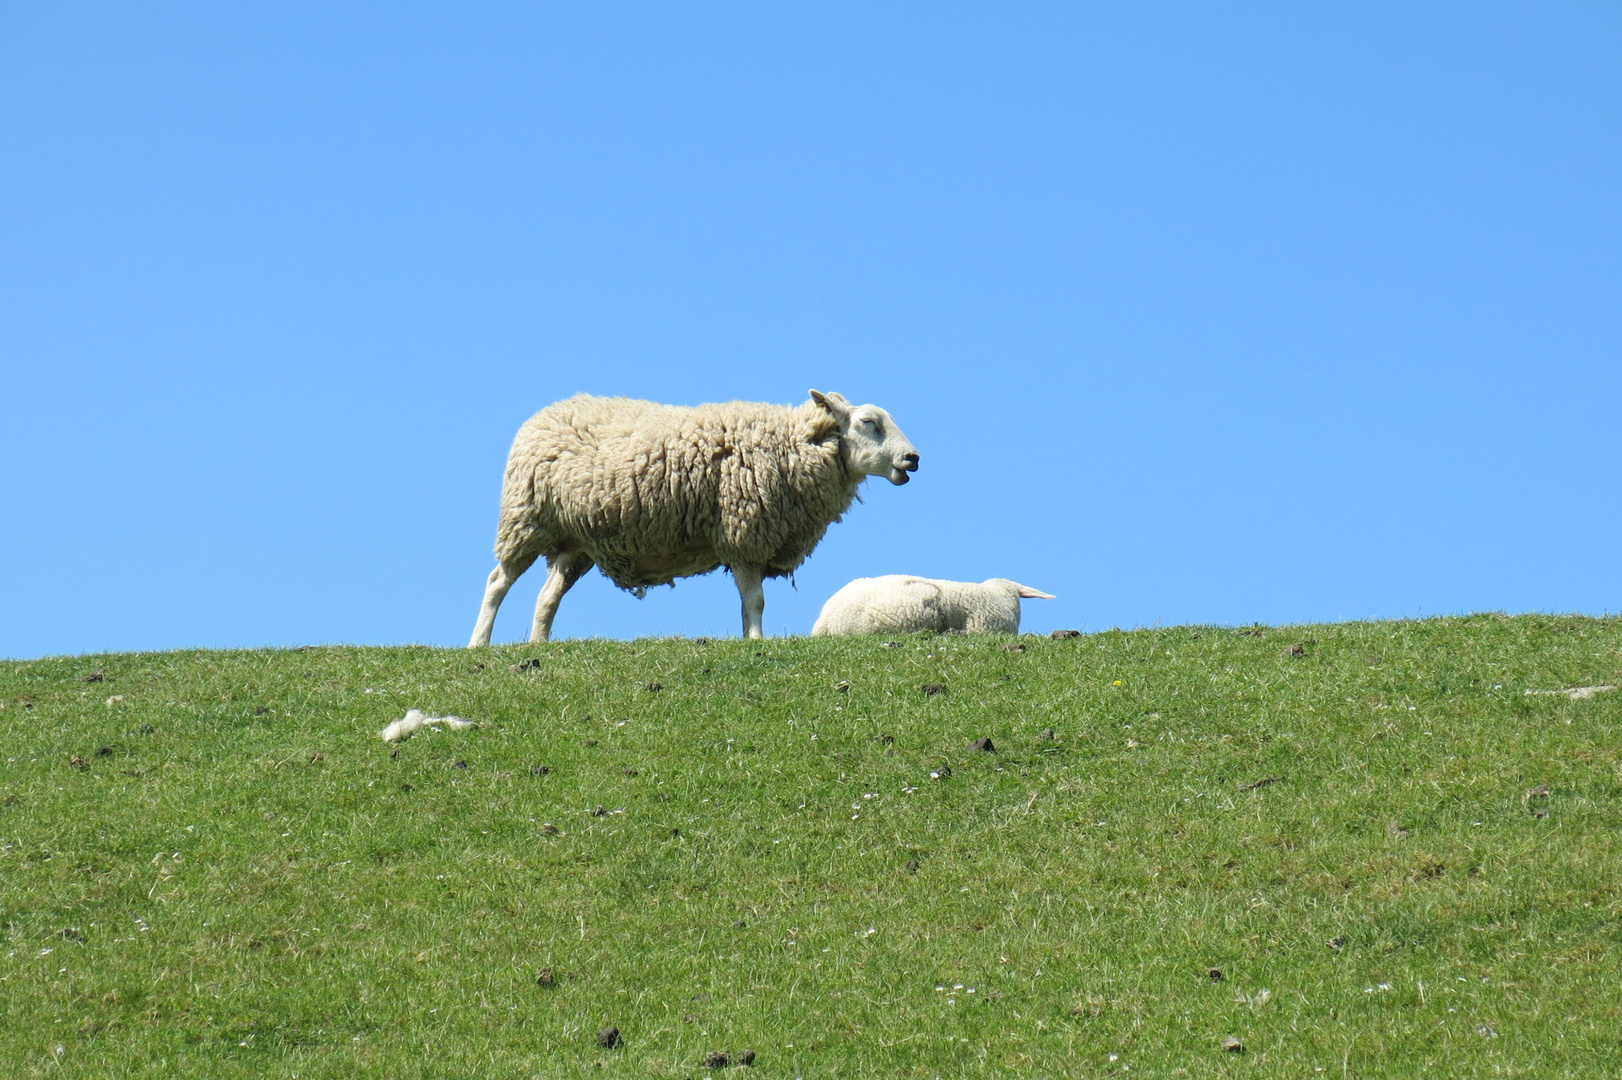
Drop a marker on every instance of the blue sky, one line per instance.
(1196, 313)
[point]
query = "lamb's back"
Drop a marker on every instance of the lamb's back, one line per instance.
(888, 604)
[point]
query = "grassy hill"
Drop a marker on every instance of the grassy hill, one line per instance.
(1360, 849)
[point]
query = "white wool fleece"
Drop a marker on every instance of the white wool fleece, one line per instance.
(414, 721)
(902, 604)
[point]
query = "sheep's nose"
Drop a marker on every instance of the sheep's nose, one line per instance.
(909, 461)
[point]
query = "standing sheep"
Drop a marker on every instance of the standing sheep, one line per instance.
(902, 604)
(650, 493)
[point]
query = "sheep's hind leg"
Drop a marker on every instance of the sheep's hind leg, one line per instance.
(562, 571)
(754, 599)
(495, 591)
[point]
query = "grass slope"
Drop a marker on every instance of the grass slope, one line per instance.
(237, 879)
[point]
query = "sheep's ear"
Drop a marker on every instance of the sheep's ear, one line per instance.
(834, 403)
(1028, 593)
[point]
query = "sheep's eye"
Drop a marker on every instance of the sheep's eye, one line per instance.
(870, 422)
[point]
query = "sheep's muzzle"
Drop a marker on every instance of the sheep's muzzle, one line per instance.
(898, 474)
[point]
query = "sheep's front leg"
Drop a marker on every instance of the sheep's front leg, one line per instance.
(754, 599)
(562, 571)
(495, 591)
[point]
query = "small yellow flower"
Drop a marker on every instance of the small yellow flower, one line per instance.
(1117, 682)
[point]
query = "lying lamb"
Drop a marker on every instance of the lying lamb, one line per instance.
(902, 604)
(650, 493)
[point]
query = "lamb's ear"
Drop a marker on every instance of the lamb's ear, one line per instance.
(834, 403)
(1028, 593)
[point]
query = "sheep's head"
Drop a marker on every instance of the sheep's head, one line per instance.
(871, 442)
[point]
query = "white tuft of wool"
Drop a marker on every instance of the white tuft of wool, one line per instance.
(414, 721)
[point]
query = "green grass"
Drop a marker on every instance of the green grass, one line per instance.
(237, 879)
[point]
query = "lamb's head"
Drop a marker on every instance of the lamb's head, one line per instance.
(870, 441)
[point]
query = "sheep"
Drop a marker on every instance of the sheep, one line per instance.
(650, 493)
(902, 604)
